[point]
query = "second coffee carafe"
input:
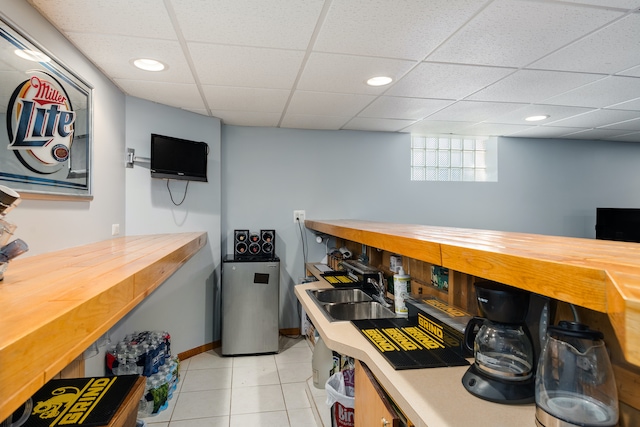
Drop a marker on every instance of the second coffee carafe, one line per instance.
(504, 368)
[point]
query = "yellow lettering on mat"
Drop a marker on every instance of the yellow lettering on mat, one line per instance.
(89, 398)
(424, 339)
(451, 311)
(405, 342)
(379, 340)
(431, 327)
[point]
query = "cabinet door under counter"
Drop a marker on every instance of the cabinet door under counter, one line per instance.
(373, 407)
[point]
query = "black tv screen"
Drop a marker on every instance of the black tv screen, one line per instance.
(176, 158)
(622, 224)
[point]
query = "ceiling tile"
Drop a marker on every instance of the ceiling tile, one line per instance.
(494, 129)
(533, 86)
(633, 72)
(630, 137)
(200, 111)
(327, 104)
(622, 4)
(634, 104)
(245, 99)
(113, 54)
(140, 18)
(594, 134)
(304, 121)
(601, 93)
(515, 33)
(393, 107)
(555, 112)
(617, 47)
(380, 125)
(628, 125)
(386, 28)
(436, 127)
(348, 74)
(543, 132)
(302, 63)
(173, 94)
(596, 118)
(446, 81)
(286, 24)
(245, 66)
(247, 118)
(472, 111)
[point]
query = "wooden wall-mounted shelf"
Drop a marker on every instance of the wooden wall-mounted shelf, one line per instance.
(55, 305)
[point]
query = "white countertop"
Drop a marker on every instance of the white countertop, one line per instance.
(433, 397)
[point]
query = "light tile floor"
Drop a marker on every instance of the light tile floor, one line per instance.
(263, 390)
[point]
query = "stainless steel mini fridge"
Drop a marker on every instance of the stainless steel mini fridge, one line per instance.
(250, 305)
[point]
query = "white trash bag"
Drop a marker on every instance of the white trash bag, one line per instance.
(340, 397)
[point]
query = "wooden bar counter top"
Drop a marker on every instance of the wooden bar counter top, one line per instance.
(599, 275)
(54, 305)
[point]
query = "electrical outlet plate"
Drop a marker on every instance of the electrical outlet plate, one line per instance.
(115, 229)
(298, 216)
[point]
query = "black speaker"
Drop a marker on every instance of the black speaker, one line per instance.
(241, 242)
(254, 245)
(268, 242)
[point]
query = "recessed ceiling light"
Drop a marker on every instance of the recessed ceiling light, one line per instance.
(149, 64)
(536, 118)
(32, 55)
(379, 81)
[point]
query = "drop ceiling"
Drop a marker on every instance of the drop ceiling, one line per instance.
(467, 67)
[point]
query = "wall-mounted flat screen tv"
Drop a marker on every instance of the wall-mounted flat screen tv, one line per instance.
(176, 158)
(622, 224)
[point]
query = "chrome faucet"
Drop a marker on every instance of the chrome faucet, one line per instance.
(380, 289)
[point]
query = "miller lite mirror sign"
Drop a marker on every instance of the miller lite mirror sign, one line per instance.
(46, 143)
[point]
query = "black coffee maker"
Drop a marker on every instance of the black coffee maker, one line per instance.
(504, 367)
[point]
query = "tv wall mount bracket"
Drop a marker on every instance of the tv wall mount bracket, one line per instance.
(131, 158)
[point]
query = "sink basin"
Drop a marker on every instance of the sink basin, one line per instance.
(344, 304)
(358, 311)
(340, 295)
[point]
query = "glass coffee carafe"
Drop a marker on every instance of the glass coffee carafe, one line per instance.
(575, 385)
(503, 351)
(504, 365)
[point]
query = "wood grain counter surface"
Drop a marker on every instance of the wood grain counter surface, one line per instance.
(54, 305)
(433, 397)
(596, 274)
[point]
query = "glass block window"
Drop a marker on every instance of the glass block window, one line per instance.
(453, 158)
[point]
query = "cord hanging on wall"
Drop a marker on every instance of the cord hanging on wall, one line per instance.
(183, 197)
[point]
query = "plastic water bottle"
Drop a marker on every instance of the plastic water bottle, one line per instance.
(145, 407)
(122, 364)
(159, 390)
(173, 368)
(132, 367)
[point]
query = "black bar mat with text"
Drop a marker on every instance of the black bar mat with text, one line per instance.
(407, 346)
(79, 401)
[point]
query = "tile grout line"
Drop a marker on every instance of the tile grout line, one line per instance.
(283, 364)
